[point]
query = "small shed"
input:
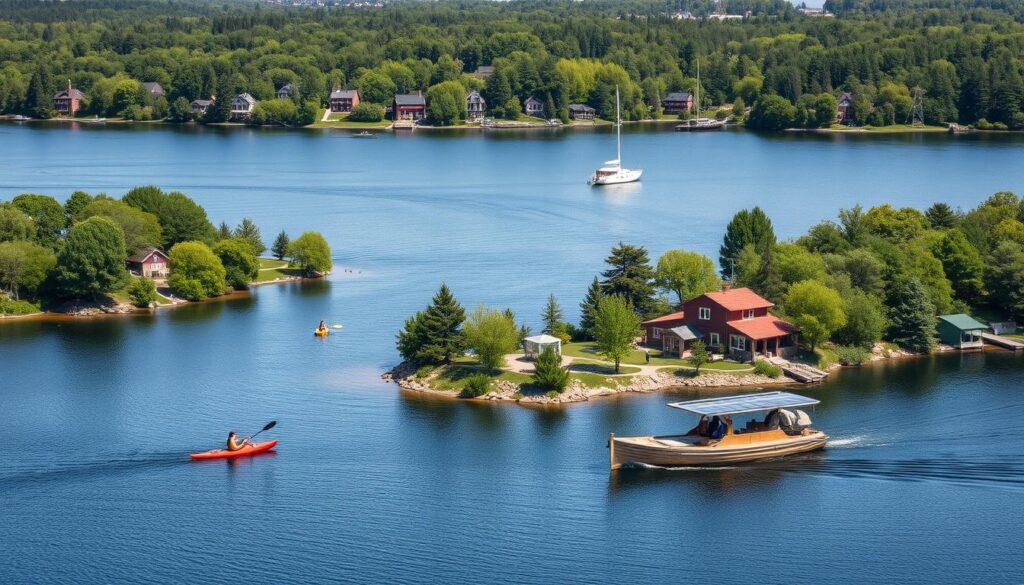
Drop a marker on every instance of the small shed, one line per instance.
(533, 346)
(960, 331)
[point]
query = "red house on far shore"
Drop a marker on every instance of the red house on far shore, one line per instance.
(67, 101)
(149, 262)
(409, 106)
(731, 321)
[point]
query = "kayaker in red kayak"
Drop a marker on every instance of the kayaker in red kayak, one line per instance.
(234, 444)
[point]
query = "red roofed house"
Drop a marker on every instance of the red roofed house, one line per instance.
(149, 262)
(735, 320)
(67, 101)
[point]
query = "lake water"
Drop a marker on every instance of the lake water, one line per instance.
(923, 481)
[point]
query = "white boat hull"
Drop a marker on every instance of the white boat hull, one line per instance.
(623, 176)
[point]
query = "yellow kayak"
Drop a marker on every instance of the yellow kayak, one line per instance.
(321, 332)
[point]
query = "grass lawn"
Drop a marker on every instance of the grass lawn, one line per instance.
(605, 369)
(895, 128)
(272, 268)
(635, 357)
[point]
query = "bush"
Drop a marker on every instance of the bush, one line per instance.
(983, 124)
(142, 291)
(196, 272)
(477, 385)
(424, 371)
(13, 307)
(852, 355)
(366, 112)
(764, 368)
(548, 372)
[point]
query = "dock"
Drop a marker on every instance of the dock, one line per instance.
(1003, 342)
(800, 372)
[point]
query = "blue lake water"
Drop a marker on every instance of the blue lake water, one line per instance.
(923, 482)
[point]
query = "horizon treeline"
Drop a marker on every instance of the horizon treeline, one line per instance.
(965, 55)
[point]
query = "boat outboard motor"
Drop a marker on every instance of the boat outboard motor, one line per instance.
(788, 421)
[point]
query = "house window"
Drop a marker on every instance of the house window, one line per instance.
(704, 313)
(713, 339)
(748, 314)
(738, 342)
(656, 332)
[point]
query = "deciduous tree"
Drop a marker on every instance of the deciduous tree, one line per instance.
(491, 334)
(686, 274)
(616, 326)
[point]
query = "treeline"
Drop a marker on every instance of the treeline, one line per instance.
(51, 253)
(966, 56)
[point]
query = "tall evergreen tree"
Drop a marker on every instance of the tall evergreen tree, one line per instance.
(552, 315)
(941, 216)
(224, 231)
(746, 227)
(441, 328)
(280, 247)
(911, 315)
(250, 232)
(588, 308)
(220, 111)
(39, 100)
(630, 276)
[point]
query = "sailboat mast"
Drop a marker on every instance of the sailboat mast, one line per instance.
(618, 128)
(698, 87)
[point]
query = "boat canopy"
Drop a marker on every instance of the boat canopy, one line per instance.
(744, 403)
(612, 163)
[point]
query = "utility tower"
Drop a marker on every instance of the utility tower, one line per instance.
(916, 117)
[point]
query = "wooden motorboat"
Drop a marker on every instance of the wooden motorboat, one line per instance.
(781, 433)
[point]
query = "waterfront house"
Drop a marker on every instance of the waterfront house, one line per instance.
(843, 106)
(484, 71)
(153, 89)
(534, 107)
(199, 107)
(150, 262)
(581, 112)
(242, 106)
(535, 345)
(67, 101)
(343, 100)
(677, 102)
(960, 331)
(409, 106)
(732, 321)
(287, 91)
(476, 106)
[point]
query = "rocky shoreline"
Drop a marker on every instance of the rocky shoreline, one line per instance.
(404, 375)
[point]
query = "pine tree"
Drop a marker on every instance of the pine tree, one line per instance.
(746, 227)
(280, 247)
(441, 326)
(552, 315)
(220, 111)
(588, 307)
(941, 216)
(224, 231)
(630, 277)
(911, 315)
(39, 100)
(250, 232)
(548, 372)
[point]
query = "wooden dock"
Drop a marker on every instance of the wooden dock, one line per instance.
(800, 372)
(1003, 342)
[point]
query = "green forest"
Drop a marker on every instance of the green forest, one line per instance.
(59, 256)
(786, 67)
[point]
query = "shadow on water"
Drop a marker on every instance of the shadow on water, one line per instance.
(132, 462)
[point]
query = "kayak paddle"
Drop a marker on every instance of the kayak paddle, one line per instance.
(269, 426)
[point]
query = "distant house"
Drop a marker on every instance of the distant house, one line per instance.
(960, 331)
(287, 91)
(476, 106)
(153, 89)
(199, 107)
(242, 106)
(843, 106)
(409, 106)
(343, 100)
(581, 112)
(149, 262)
(677, 102)
(68, 101)
(534, 107)
(732, 321)
(484, 71)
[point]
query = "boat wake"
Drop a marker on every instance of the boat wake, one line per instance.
(59, 471)
(1003, 472)
(855, 442)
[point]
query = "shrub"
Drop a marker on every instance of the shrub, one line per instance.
(548, 372)
(424, 371)
(142, 291)
(764, 368)
(366, 112)
(13, 307)
(196, 272)
(852, 355)
(476, 385)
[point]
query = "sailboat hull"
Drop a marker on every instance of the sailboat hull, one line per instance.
(623, 176)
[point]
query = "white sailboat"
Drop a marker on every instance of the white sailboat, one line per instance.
(698, 123)
(612, 172)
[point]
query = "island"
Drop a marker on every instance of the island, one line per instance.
(877, 284)
(96, 255)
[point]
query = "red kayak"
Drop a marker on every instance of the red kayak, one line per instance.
(243, 452)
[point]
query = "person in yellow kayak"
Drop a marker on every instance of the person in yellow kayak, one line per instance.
(234, 444)
(322, 328)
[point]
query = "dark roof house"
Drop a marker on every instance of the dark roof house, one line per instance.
(153, 88)
(287, 90)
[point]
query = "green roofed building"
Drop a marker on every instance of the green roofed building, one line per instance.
(961, 331)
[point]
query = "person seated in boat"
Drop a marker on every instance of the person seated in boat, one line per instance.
(322, 327)
(701, 430)
(717, 427)
(234, 444)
